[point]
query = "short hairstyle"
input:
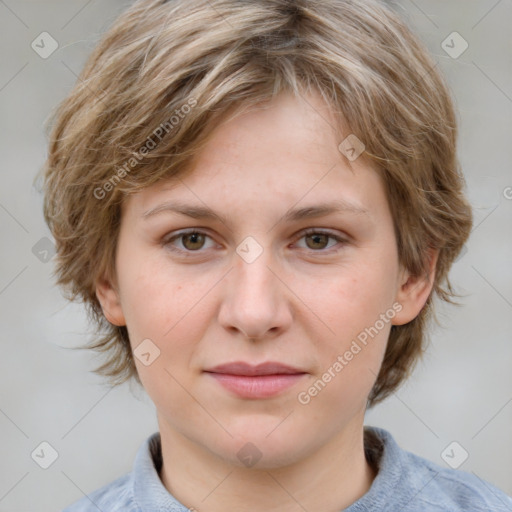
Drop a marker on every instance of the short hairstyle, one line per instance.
(167, 72)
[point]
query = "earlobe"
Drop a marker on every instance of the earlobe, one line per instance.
(413, 291)
(109, 298)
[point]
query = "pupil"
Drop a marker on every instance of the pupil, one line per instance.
(316, 237)
(194, 238)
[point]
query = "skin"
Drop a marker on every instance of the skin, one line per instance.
(301, 302)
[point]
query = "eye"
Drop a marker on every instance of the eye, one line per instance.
(318, 240)
(191, 241)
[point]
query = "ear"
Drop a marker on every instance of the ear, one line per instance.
(108, 295)
(414, 291)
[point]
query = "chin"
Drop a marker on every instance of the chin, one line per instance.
(261, 456)
(263, 444)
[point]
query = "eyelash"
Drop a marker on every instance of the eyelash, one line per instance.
(308, 232)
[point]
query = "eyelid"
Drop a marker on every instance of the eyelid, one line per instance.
(322, 231)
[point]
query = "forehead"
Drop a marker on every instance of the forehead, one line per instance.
(270, 158)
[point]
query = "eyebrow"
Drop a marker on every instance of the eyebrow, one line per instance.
(307, 212)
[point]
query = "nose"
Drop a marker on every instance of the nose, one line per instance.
(256, 301)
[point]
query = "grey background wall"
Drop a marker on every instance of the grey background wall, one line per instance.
(461, 392)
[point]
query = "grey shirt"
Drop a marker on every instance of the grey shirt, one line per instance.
(404, 482)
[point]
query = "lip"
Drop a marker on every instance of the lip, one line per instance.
(249, 370)
(264, 380)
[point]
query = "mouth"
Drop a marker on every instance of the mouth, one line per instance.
(256, 381)
(248, 370)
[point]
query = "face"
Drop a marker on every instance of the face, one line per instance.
(296, 263)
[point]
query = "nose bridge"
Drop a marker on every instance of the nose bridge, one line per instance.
(255, 302)
(253, 282)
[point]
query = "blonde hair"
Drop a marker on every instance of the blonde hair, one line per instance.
(169, 71)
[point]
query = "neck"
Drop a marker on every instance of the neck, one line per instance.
(330, 479)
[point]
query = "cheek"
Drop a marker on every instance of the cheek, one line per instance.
(357, 307)
(171, 310)
(155, 301)
(167, 312)
(354, 299)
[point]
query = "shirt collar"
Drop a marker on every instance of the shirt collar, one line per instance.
(388, 458)
(148, 490)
